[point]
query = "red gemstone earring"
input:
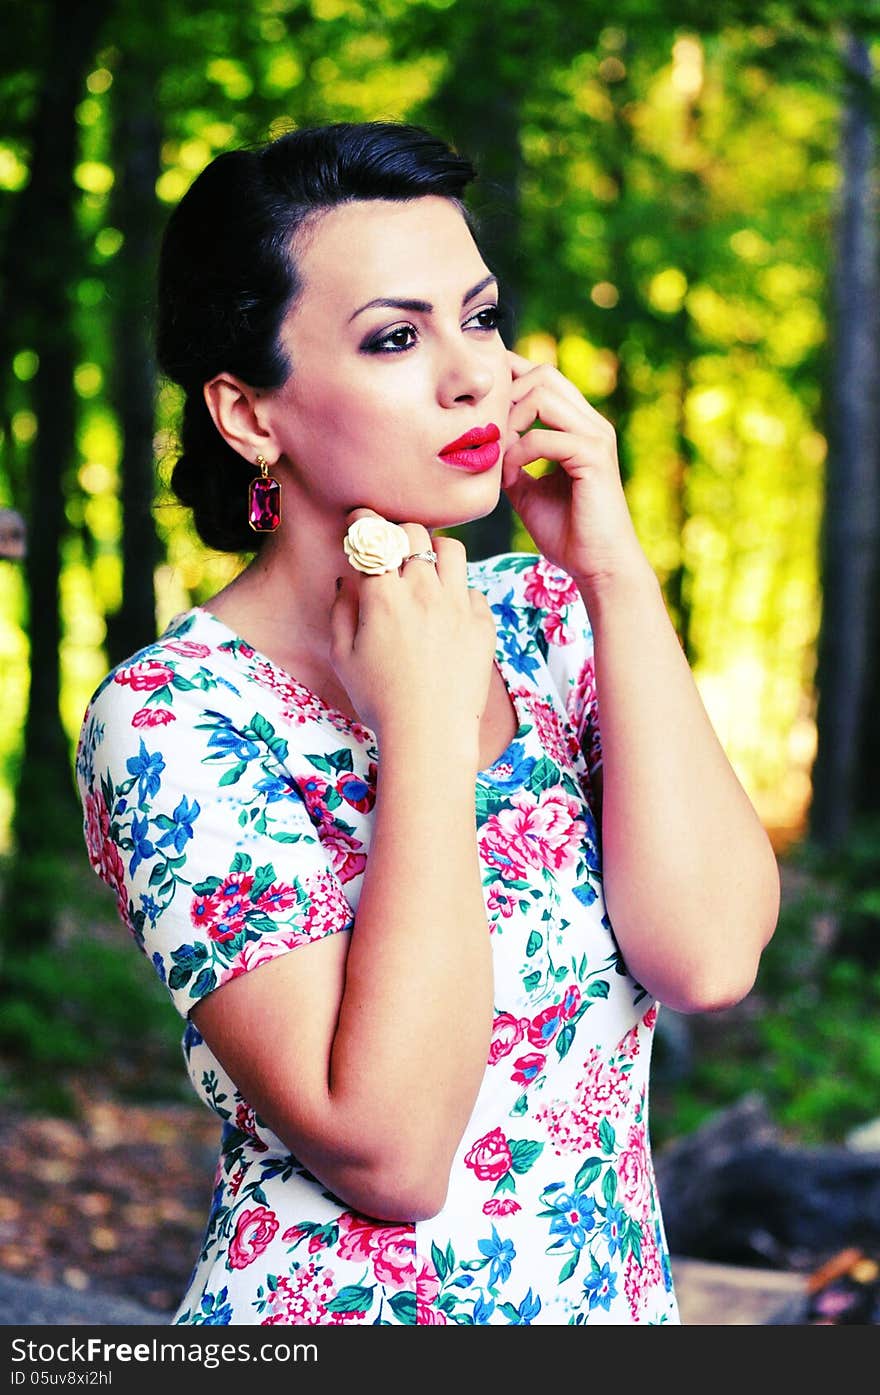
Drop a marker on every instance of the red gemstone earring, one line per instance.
(264, 500)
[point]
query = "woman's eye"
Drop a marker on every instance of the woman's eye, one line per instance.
(394, 342)
(495, 314)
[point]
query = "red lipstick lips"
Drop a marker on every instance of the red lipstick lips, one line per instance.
(476, 450)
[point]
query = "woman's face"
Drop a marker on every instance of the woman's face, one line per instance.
(377, 391)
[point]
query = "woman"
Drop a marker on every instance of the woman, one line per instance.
(397, 763)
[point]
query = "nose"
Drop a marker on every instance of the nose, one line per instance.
(466, 372)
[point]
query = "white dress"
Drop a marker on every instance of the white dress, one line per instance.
(230, 809)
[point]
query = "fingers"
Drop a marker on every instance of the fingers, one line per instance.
(531, 382)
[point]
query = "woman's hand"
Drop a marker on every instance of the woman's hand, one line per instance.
(577, 516)
(397, 636)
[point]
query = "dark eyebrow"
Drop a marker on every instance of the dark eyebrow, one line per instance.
(424, 307)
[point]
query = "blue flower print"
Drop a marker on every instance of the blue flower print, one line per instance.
(575, 1220)
(228, 741)
(519, 659)
(506, 614)
(502, 1254)
(520, 768)
(146, 768)
(143, 848)
(216, 1312)
(611, 1230)
(600, 1287)
(483, 1310)
(528, 1309)
(179, 826)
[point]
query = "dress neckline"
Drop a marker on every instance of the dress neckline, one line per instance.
(335, 714)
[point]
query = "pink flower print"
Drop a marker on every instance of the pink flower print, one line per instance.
(528, 1067)
(507, 1032)
(189, 648)
(328, 910)
(103, 853)
(278, 897)
(650, 1017)
(543, 1028)
(246, 1120)
(552, 732)
(314, 793)
(501, 901)
(639, 1276)
(236, 1181)
(356, 791)
(203, 911)
(501, 1206)
(253, 1233)
(360, 1238)
(145, 676)
(346, 853)
(153, 717)
(429, 1316)
(396, 1264)
(490, 1157)
(545, 829)
(261, 951)
(633, 1172)
(500, 851)
(571, 1001)
(554, 628)
(549, 587)
(303, 1298)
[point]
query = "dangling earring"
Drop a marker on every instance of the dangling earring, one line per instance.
(264, 500)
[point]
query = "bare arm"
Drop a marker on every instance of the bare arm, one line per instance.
(691, 882)
(364, 1053)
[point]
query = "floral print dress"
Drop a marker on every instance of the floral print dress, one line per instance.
(229, 808)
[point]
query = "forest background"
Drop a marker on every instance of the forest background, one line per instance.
(680, 201)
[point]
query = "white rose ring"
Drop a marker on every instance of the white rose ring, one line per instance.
(373, 545)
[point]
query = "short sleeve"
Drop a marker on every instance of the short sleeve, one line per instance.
(192, 818)
(566, 628)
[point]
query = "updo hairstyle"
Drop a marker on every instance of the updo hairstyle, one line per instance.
(228, 276)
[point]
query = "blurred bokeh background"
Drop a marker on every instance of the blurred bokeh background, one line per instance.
(680, 201)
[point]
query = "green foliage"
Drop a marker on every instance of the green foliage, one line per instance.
(806, 1037)
(87, 1006)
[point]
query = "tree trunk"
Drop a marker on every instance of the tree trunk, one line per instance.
(477, 108)
(850, 535)
(46, 820)
(133, 379)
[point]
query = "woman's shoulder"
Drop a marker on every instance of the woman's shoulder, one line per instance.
(158, 687)
(528, 587)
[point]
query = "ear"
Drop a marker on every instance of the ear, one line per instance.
(235, 410)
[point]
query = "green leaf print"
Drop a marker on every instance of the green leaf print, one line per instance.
(210, 884)
(292, 837)
(532, 980)
(521, 1106)
(403, 1305)
(598, 988)
(524, 1152)
(240, 863)
(607, 1137)
(536, 939)
(609, 1186)
(264, 731)
(587, 1174)
(439, 1260)
(355, 1298)
(544, 776)
(564, 1040)
(569, 1266)
(232, 776)
(263, 879)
